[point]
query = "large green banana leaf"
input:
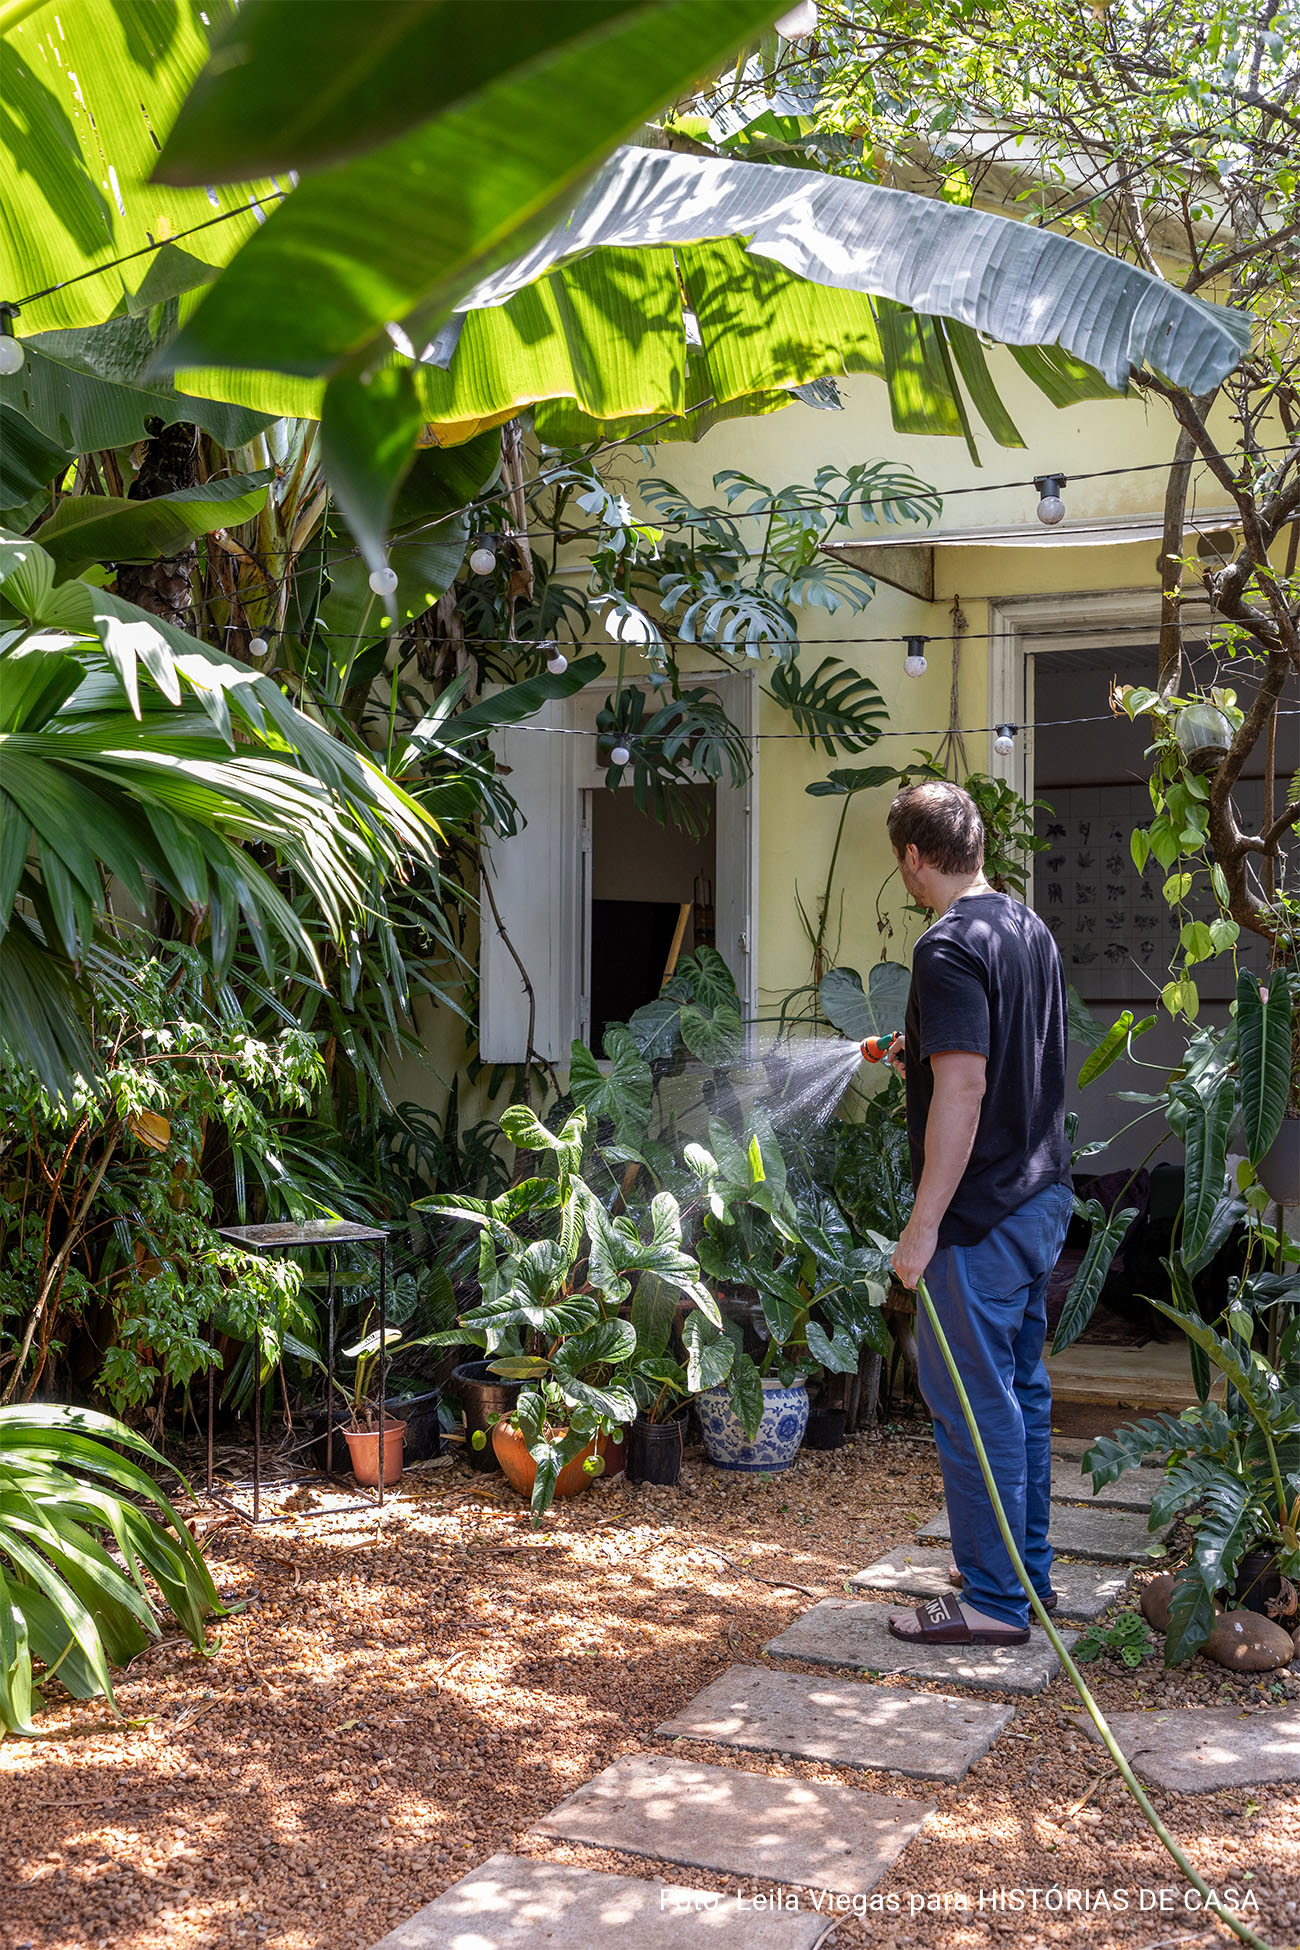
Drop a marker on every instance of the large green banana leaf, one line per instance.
(400, 233)
(89, 89)
(1013, 281)
(87, 528)
(295, 84)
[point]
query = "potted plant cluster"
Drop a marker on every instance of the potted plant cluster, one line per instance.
(818, 1296)
(551, 1315)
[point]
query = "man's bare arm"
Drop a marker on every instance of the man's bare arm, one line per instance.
(950, 1127)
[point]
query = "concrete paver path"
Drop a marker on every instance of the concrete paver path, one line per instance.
(919, 1571)
(850, 1632)
(815, 1833)
(810, 1717)
(514, 1902)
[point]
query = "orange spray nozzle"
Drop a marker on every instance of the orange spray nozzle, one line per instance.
(876, 1048)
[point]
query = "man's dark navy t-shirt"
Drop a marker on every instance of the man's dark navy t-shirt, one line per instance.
(987, 977)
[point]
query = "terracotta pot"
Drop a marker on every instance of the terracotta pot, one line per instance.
(363, 1448)
(521, 1471)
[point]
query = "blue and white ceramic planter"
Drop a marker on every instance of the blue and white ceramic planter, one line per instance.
(776, 1444)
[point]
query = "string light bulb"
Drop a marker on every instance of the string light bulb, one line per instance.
(620, 755)
(1005, 742)
(483, 555)
(556, 661)
(1051, 508)
(258, 647)
(914, 663)
(799, 23)
(383, 581)
(12, 353)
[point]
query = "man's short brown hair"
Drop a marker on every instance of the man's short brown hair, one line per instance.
(942, 822)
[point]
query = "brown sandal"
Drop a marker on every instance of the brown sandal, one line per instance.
(942, 1623)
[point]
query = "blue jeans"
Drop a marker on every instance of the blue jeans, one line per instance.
(991, 1303)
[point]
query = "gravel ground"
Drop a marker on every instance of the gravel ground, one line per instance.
(404, 1695)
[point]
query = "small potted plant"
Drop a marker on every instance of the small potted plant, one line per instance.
(661, 1386)
(365, 1413)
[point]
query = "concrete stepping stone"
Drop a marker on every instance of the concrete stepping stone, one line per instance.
(788, 1831)
(1197, 1749)
(515, 1902)
(1106, 1536)
(849, 1632)
(1085, 1589)
(921, 1735)
(1133, 1491)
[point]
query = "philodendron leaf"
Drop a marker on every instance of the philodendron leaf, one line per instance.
(1107, 1236)
(845, 781)
(710, 1353)
(624, 1093)
(746, 1393)
(1113, 1044)
(857, 1012)
(1191, 1618)
(838, 1352)
(1264, 1041)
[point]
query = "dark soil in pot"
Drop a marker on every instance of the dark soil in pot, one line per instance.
(483, 1396)
(654, 1451)
(826, 1428)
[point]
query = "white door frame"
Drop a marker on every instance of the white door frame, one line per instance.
(1024, 625)
(544, 885)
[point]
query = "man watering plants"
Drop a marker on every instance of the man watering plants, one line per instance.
(983, 1055)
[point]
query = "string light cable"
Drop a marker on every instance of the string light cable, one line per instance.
(803, 737)
(1041, 483)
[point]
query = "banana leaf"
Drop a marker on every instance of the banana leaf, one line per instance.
(88, 89)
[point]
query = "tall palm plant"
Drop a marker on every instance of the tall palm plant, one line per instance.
(134, 757)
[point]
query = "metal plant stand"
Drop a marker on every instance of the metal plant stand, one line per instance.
(286, 1237)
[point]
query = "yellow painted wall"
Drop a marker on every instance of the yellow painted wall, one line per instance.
(796, 831)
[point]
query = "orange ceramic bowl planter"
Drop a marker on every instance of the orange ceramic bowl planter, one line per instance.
(520, 1470)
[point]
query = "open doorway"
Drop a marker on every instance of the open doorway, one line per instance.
(650, 898)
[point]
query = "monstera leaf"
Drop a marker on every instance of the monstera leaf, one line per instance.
(874, 1011)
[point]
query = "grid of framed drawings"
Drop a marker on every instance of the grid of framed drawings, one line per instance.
(1116, 932)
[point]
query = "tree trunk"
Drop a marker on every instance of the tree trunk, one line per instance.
(164, 587)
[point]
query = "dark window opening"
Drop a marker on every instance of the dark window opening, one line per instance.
(644, 879)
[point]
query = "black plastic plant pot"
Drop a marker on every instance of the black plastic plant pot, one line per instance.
(654, 1451)
(826, 1428)
(484, 1396)
(1257, 1581)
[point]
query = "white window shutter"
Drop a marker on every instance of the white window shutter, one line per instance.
(534, 878)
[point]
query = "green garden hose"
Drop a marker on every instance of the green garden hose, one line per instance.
(1109, 1741)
